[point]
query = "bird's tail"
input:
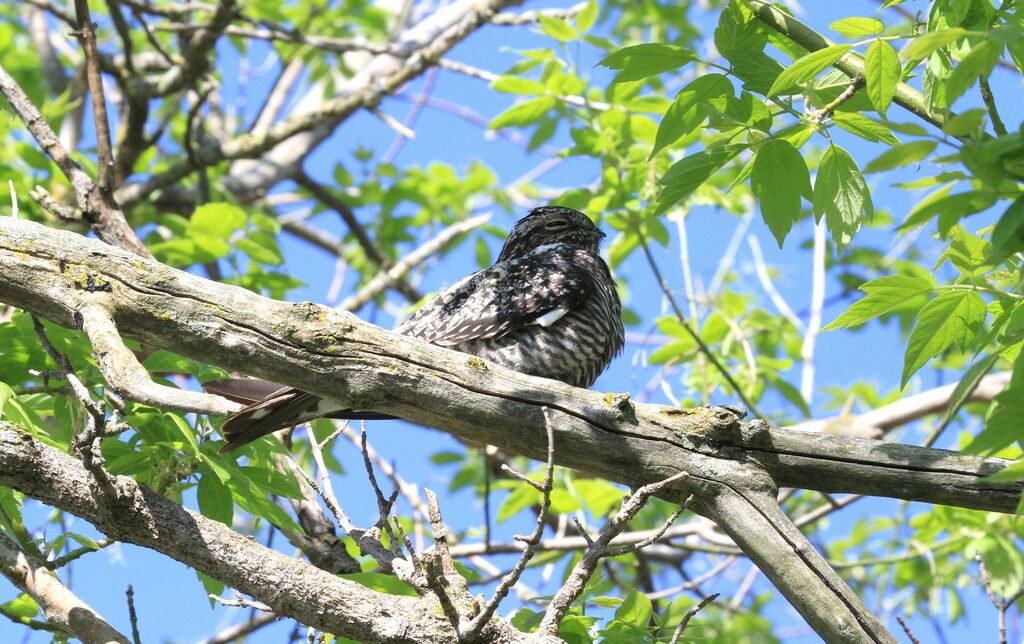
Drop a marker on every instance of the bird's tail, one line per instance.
(271, 407)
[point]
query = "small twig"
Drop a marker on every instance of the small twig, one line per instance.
(86, 443)
(86, 34)
(906, 629)
(990, 103)
(241, 602)
(856, 83)
(77, 553)
(14, 199)
(689, 615)
(814, 318)
(761, 270)
(47, 203)
(400, 128)
(369, 246)
(693, 334)
(368, 540)
(441, 575)
(718, 569)
(748, 582)
(1001, 604)
(414, 114)
(238, 631)
(386, 278)
(598, 550)
(633, 547)
(477, 624)
(132, 617)
(126, 375)
(384, 505)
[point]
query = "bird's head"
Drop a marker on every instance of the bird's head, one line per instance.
(551, 225)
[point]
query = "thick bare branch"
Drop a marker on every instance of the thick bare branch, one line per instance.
(61, 607)
(289, 586)
(877, 422)
(332, 354)
(301, 132)
(129, 378)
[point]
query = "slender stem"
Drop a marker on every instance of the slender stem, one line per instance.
(990, 103)
(693, 334)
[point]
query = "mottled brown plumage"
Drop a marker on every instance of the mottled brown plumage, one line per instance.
(547, 307)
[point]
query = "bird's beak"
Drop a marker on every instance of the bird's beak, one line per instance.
(601, 234)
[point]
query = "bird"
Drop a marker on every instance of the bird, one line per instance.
(547, 307)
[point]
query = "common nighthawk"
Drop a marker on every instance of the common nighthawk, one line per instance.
(547, 307)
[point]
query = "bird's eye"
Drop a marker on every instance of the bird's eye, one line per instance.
(557, 224)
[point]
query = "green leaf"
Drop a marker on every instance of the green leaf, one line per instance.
(739, 32)
(517, 85)
(184, 429)
(925, 44)
(881, 73)
(900, 155)
(953, 315)
(483, 253)
(1009, 474)
(949, 208)
(678, 120)
(864, 127)
(778, 178)
(381, 582)
(966, 122)
(214, 498)
(884, 295)
(1008, 235)
(967, 384)
(641, 61)
(557, 28)
(211, 586)
(215, 221)
(446, 458)
(857, 27)
(586, 18)
(522, 496)
(523, 113)
(978, 63)
(689, 173)
(841, 195)
(261, 246)
(1002, 427)
(635, 609)
(806, 68)
(22, 607)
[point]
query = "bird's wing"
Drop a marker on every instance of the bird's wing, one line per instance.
(536, 289)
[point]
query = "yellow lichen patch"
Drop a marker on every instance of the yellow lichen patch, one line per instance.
(476, 363)
(616, 399)
(88, 280)
(676, 411)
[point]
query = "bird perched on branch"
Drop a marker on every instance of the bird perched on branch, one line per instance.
(547, 307)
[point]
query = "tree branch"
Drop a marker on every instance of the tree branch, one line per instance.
(126, 375)
(734, 468)
(289, 586)
(61, 606)
(104, 216)
(851, 64)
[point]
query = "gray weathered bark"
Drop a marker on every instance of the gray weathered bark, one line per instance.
(733, 467)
